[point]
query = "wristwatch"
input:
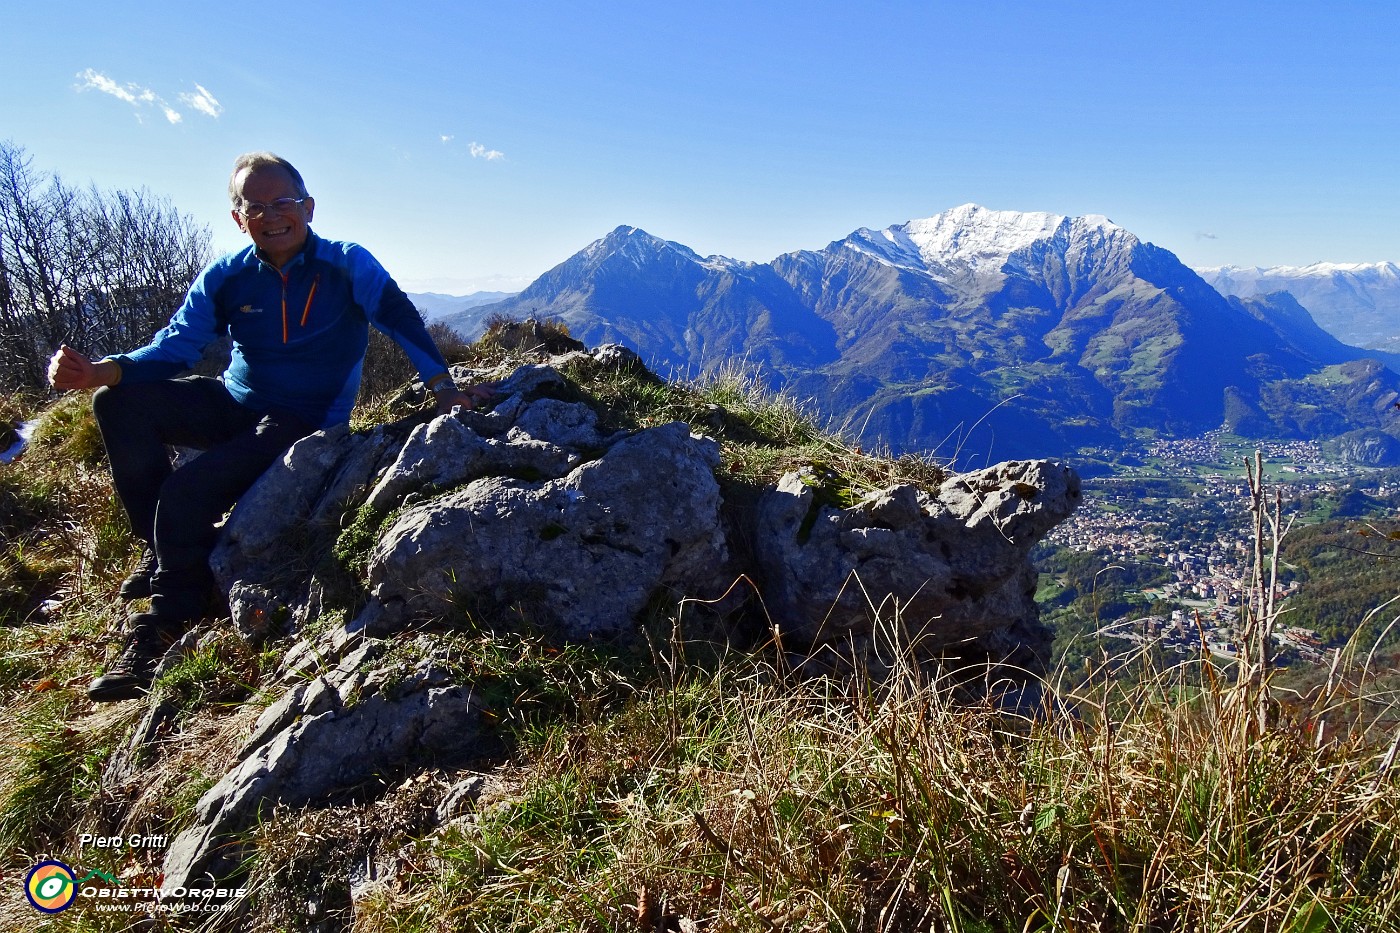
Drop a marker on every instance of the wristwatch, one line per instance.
(442, 383)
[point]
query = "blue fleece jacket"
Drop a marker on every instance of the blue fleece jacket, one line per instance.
(299, 335)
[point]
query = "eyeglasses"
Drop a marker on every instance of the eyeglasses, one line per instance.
(254, 210)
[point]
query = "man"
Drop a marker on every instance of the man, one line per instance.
(298, 309)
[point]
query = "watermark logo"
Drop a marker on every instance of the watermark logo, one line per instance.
(50, 887)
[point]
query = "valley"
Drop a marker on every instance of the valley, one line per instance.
(1160, 550)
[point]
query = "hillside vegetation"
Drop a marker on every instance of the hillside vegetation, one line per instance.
(702, 786)
(1346, 568)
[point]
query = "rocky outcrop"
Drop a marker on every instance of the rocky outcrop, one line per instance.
(359, 718)
(581, 554)
(534, 517)
(942, 572)
(527, 509)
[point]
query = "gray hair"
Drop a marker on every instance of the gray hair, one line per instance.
(254, 161)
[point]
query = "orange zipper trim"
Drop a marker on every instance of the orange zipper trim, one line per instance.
(307, 311)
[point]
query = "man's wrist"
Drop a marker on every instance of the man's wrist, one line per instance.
(442, 384)
(109, 372)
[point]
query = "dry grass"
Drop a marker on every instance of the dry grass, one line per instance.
(64, 533)
(735, 800)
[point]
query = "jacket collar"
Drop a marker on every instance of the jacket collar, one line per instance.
(308, 252)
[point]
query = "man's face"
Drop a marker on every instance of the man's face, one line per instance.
(280, 235)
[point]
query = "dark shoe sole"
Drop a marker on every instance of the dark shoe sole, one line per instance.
(113, 688)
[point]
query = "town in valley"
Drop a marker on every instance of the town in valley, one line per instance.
(1171, 527)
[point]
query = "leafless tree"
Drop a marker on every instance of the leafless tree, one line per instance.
(98, 270)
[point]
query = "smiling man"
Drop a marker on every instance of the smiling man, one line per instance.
(298, 309)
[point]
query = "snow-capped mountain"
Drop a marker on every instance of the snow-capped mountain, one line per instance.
(974, 239)
(1002, 333)
(1359, 303)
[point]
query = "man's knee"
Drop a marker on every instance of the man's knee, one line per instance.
(105, 401)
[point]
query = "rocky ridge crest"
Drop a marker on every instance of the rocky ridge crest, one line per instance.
(368, 550)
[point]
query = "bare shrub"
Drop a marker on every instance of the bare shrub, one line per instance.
(98, 270)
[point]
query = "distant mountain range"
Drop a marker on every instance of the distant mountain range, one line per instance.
(433, 305)
(1358, 303)
(980, 334)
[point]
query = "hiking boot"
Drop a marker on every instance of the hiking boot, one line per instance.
(130, 674)
(138, 584)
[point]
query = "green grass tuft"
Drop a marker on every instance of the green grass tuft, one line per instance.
(67, 431)
(56, 767)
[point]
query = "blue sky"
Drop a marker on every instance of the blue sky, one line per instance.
(475, 145)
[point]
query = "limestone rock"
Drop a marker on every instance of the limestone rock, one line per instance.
(336, 732)
(550, 421)
(582, 554)
(617, 356)
(461, 797)
(937, 573)
(445, 453)
(268, 540)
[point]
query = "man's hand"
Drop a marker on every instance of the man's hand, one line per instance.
(69, 369)
(468, 398)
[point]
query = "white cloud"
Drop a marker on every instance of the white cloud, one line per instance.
(203, 101)
(479, 151)
(446, 139)
(96, 81)
(139, 97)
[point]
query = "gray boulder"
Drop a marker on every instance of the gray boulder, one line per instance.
(654, 489)
(283, 524)
(581, 555)
(933, 573)
(359, 720)
(445, 453)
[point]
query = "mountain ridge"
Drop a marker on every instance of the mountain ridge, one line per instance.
(1021, 333)
(1359, 303)
(434, 305)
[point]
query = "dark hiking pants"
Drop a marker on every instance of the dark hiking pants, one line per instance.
(176, 511)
